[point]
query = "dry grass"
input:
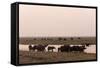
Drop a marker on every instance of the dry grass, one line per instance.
(26, 57)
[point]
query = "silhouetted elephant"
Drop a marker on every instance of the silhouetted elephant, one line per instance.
(65, 48)
(30, 47)
(68, 48)
(51, 48)
(77, 48)
(39, 47)
(87, 44)
(82, 48)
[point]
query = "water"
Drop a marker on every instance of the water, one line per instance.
(90, 49)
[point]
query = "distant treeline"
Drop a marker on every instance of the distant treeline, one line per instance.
(57, 40)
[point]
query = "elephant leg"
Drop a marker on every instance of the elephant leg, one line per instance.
(48, 50)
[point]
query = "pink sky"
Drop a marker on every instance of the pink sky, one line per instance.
(56, 21)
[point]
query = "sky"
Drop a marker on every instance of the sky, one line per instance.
(42, 21)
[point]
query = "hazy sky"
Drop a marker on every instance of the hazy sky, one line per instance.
(56, 21)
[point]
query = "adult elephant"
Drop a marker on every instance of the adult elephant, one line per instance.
(65, 48)
(77, 48)
(30, 47)
(39, 47)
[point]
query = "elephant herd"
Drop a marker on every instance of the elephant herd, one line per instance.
(63, 48)
(68, 48)
(38, 47)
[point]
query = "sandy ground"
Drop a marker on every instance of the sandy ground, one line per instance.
(26, 57)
